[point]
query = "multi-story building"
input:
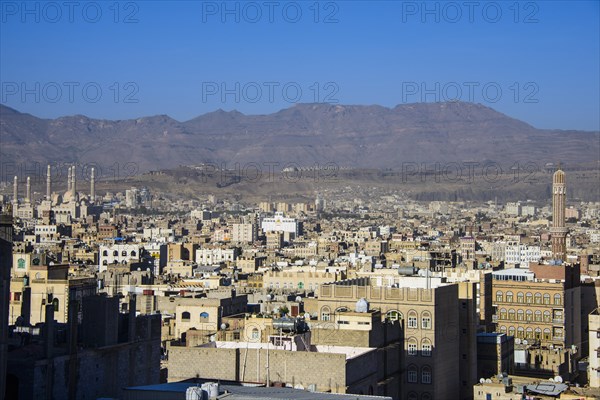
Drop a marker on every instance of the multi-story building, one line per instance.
(429, 310)
(244, 233)
(280, 223)
(216, 255)
(517, 253)
(540, 307)
(118, 254)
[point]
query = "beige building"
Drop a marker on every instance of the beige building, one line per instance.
(299, 280)
(543, 313)
(47, 284)
(429, 311)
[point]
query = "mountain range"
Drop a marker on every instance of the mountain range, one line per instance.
(352, 136)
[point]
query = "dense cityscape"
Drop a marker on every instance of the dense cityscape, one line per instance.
(381, 296)
(299, 200)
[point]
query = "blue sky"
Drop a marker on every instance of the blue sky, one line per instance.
(535, 61)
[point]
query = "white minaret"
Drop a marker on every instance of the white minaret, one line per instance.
(28, 191)
(69, 180)
(92, 186)
(48, 184)
(73, 183)
(16, 190)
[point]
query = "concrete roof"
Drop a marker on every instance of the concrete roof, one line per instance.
(238, 392)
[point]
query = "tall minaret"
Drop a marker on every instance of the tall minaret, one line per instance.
(16, 190)
(28, 191)
(558, 230)
(48, 184)
(73, 183)
(92, 186)
(69, 180)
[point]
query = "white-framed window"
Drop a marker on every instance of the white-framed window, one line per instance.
(426, 375)
(412, 322)
(426, 349)
(412, 349)
(412, 375)
(426, 321)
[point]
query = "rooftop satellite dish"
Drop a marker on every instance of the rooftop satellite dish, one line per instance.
(298, 299)
(518, 341)
(482, 380)
(558, 379)
(551, 380)
(525, 342)
(488, 381)
(550, 346)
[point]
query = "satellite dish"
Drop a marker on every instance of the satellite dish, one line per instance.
(551, 380)
(482, 380)
(558, 379)
(518, 341)
(298, 299)
(550, 346)
(525, 342)
(488, 381)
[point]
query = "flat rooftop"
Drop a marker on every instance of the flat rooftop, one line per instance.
(176, 390)
(349, 352)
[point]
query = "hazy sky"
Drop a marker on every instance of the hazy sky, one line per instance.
(536, 61)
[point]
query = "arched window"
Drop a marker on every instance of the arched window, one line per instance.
(499, 296)
(546, 298)
(538, 333)
(557, 299)
(325, 313)
(115, 253)
(520, 332)
(105, 262)
(124, 253)
(55, 304)
(393, 315)
(426, 320)
(426, 396)
(538, 316)
(255, 334)
(538, 298)
(185, 316)
(509, 297)
(412, 347)
(412, 320)
(133, 253)
(520, 297)
(203, 315)
(503, 329)
(520, 314)
(413, 395)
(411, 374)
(547, 317)
(511, 331)
(529, 298)
(511, 314)
(529, 316)
(547, 334)
(529, 333)
(426, 375)
(105, 253)
(503, 313)
(426, 348)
